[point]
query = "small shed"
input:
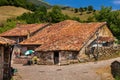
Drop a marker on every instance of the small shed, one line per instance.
(22, 32)
(6, 47)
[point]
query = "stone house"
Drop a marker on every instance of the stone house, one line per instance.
(6, 47)
(66, 41)
(22, 31)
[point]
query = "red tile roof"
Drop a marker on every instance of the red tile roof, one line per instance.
(71, 37)
(107, 39)
(23, 30)
(42, 36)
(6, 41)
(65, 35)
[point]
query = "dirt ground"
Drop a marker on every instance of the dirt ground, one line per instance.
(82, 71)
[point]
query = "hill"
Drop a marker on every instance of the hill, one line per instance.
(10, 12)
(70, 12)
(40, 3)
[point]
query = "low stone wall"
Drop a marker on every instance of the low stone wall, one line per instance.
(101, 51)
(45, 58)
(21, 60)
(68, 57)
(65, 57)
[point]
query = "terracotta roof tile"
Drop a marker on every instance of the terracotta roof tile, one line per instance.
(65, 35)
(22, 30)
(107, 39)
(43, 35)
(6, 41)
(71, 37)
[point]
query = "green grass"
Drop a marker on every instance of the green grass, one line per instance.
(71, 13)
(117, 78)
(84, 15)
(8, 25)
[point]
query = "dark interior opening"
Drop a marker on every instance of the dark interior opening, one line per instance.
(56, 57)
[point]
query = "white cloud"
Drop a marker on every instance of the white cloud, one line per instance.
(116, 2)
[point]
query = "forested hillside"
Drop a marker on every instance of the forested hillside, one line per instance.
(40, 3)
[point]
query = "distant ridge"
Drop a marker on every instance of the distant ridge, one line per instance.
(40, 3)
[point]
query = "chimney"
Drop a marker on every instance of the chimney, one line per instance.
(28, 36)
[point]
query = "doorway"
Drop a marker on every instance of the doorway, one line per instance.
(56, 57)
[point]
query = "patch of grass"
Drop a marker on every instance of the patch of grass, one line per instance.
(105, 73)
(103, 69)
(8, 25)
(82, 17)
(117, 78)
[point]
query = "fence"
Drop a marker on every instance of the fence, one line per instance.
(96, 53)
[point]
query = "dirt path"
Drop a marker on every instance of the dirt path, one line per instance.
(82, 71)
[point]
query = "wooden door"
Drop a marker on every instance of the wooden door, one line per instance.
(56, 57)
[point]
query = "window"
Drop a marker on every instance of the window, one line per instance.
(21, 39)
(30, 48)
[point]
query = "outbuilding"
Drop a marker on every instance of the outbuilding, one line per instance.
(6, 47)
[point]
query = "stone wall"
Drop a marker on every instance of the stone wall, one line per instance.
(103, 31)
(68, 57)
(21, 60)
(65, 57)
(1, 63)
(46, 57)
(7, 62)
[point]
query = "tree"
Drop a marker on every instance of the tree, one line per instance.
(41, 13)
(104, 14)
(56, 15)
(76, 10)
(81, 10)
(30, 6)
(3, 2)
(76, 18)
(42, 9)
(85, 8)
(18, 3)
(111, 17)
(90, 8)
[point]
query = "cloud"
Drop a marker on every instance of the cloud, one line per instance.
(117, 2)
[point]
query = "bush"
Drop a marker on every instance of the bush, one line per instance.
(8, 25)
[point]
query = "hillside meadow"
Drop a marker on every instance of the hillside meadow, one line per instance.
(10, 12)
(70, 12)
